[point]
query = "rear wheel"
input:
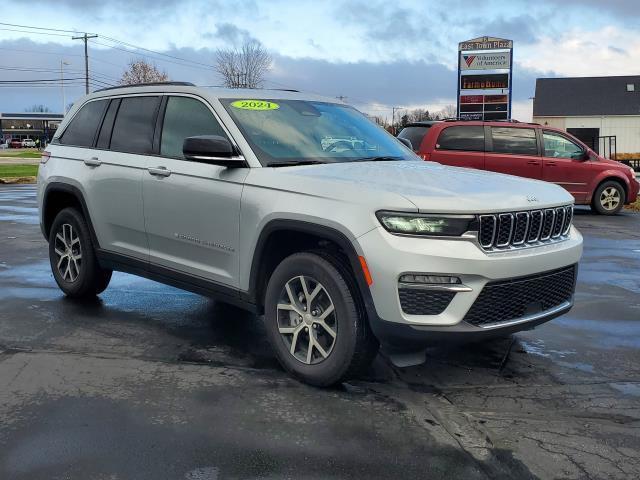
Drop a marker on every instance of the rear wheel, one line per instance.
(72, 257)
(313, 322)
(609, 198)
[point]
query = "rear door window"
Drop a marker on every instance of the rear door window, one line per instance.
(104, 137)
(516, 141)
(135, 124)
(186, 117)
(414, 134)
(467, 138)
(82, 129)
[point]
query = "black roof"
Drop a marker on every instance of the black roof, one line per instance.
(422, 123)
(583, 96)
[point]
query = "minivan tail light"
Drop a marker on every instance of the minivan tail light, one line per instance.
(45, 157)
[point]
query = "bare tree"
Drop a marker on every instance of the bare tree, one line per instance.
(449, 111)
(244, 67)
(38, 108)
(141, 71)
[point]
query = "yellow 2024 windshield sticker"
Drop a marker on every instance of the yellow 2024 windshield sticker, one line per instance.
(255, 105)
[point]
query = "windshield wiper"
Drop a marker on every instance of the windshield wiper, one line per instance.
(382, 158)
(295, 163)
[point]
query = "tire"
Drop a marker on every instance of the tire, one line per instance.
(333, 358)
(78, 274)
(609, 198)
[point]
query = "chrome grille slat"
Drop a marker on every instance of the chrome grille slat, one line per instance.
(503, 231)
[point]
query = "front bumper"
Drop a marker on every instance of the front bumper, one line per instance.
(390, 256)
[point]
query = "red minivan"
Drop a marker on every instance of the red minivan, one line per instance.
(528, 150)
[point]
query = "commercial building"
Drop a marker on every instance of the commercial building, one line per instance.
(603, 112)
(34, 125)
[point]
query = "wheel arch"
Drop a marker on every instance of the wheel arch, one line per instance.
(282, 237)
(607, 176)
(58, 196)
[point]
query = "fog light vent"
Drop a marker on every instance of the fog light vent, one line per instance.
(428, 279)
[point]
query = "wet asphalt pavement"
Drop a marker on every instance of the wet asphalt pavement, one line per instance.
(149, 382)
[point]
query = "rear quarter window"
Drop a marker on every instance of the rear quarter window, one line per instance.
(466, 138)
(82, 129)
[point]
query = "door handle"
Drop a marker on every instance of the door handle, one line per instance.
(533, 162)
(159, 171)
(92, 162)
(551, 164)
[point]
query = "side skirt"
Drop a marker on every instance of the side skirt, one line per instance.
(174, 278)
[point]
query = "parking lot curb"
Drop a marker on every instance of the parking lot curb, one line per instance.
(17, 180)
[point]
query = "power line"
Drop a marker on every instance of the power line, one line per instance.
(37, 33)
(38, 28)
(152, 57)
(37, 80)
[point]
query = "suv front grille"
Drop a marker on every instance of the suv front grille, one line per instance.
(507, 300)
(521, 229)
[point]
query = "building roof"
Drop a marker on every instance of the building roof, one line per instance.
(584, 96)
(31, 116)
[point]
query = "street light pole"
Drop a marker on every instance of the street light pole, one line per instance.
(64, 100)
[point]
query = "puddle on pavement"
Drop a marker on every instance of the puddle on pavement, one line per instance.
(632, 389)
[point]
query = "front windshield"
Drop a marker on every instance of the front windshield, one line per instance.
(283, 132)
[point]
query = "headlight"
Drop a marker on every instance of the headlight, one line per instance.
(427, 224)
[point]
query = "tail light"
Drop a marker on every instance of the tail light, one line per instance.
(45, 157)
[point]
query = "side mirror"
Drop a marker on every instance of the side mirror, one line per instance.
(212, 149)
(406, 142)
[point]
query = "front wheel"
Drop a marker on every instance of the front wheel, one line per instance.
(313, 321)
(609, 198)
(72, 256)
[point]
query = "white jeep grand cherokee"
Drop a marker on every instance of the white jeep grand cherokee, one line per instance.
(247, 196)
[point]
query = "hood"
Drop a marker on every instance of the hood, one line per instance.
(429, 186)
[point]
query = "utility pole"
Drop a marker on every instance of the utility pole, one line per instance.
(85, 38)
(393, 116)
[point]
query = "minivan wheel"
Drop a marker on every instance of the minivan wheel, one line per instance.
(313, 321)
(609, 198)
(72, 257)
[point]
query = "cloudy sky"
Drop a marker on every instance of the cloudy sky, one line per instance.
(378, 54)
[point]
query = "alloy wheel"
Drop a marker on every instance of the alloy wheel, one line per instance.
(610, 198)
(307, 320)
(68, 253)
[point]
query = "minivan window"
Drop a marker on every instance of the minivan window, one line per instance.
(82, 129)
(517, 141)
(415, 134)
(468, 138)
(558, 146)
(186, 117)
(134, 125)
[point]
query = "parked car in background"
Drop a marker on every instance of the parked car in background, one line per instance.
(15, 143)
(28, 143)
(528, 150)
(3, 145)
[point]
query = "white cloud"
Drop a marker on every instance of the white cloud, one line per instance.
(607, 51)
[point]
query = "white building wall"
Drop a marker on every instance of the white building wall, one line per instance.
(626, 128)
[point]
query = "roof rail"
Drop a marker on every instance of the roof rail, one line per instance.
(149, 84)
(502, 120)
